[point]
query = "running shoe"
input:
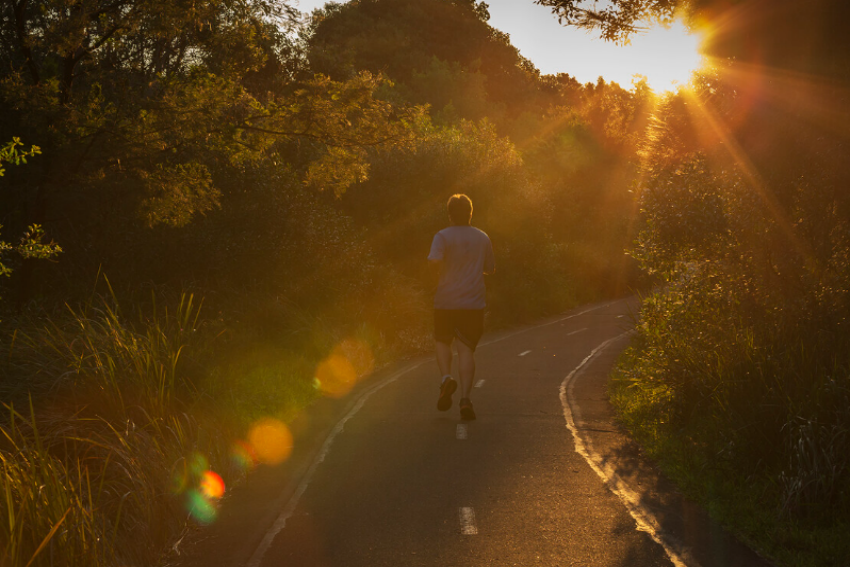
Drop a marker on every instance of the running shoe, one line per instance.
(444, 402)
(467, 409)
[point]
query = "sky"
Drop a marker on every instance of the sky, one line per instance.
(660, 55)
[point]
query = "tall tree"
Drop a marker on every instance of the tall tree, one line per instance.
(141, 109)
(441, 52)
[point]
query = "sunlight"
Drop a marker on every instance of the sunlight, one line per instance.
(667, 57)
(704, 114)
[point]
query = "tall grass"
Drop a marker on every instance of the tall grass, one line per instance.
(89, 467)
(113, 415)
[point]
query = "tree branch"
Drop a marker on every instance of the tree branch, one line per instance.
(21, 32)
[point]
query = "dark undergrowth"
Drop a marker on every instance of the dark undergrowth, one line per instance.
(754, 430)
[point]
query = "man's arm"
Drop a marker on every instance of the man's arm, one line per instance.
(490, 266)
(435, 260)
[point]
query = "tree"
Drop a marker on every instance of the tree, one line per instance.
(143, 112)
(744, 214)
(32, 243)
(617, 20)
(439, 52)
(785, 34)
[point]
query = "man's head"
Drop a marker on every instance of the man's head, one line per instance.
(460, 209)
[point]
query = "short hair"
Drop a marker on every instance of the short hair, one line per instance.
(460, 208)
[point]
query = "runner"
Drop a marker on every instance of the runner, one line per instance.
(463, 255)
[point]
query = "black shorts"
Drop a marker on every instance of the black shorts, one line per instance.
(466, 325)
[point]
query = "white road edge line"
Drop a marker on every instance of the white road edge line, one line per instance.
(480, 383)
(467, 517)
(574, 332)
(288, 510)
(461, 431)
(524, 353)
(644, 519)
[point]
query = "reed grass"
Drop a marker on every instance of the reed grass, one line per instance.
(122, 407)
(87, 476)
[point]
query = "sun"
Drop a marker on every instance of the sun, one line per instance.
(667, 56)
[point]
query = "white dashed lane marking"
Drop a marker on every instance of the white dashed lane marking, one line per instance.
(524, 353)
(479, 384)
(467, 517)
(461, 431)
(289, 503)
(579, 331)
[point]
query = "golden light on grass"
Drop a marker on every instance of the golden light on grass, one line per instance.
(271, 441)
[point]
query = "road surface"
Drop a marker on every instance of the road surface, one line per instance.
(543, 477)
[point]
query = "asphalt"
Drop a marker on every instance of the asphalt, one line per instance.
(544, 476)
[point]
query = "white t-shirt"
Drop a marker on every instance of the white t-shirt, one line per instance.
(467, 255)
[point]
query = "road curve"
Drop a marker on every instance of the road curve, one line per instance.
(543, 477)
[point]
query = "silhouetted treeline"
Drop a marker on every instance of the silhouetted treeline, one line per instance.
(740, 373)
(292, 179)
(201, 148)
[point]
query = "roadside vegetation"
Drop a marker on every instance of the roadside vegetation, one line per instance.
(214, 214)
(737, 382)
(224, 215)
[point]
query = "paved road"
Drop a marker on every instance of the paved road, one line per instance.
(542, 477)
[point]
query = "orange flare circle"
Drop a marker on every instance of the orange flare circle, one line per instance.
(336, 376)
(271, 440)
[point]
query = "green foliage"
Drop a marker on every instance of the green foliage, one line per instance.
(617, 20)
(32, 243)
(741, 364)
(194, 147)
(11, 154)
(439, 52)
(715, 480)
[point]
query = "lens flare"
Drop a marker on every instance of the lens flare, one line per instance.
(242, 455)
(201, 508)
(338, 374)
(271, 441)
(211, 485)
(198, 463)
(667, 56)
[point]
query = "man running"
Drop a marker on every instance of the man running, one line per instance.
(464, 255)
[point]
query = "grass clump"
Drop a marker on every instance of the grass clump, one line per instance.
(93, 468)
(117, 422)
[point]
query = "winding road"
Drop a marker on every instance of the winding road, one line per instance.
(544, 476)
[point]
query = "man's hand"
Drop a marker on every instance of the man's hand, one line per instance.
(435, 267)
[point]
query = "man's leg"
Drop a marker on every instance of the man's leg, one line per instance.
(466, 368)
(443, 354)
